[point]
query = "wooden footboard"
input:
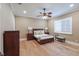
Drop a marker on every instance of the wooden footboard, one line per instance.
(45, 41)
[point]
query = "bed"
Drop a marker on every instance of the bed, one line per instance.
(41, 37)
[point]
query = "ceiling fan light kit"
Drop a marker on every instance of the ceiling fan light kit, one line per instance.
(45, 14)
(44, 17)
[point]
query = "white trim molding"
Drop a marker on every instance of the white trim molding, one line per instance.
(73, 43)
(22, 39)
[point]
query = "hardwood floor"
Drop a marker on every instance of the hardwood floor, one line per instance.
(32, 48)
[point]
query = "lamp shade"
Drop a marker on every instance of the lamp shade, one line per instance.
(46, 28)
(44, 17)
(29, 28)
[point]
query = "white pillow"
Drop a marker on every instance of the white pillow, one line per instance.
(38, 32)
(41, 31)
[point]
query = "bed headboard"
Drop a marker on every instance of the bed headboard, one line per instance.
(37, 30)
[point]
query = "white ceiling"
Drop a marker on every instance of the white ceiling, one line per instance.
(33, 9)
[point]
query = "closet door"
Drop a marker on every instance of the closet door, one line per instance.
(11, 43)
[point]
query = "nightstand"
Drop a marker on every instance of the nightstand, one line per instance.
(29, 36)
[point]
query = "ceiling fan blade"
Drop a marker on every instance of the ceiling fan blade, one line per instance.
(49, 12)
(41, 13)
(49, 15)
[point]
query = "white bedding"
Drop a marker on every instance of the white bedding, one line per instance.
(43, 36)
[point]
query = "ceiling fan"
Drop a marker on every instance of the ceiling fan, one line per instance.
(44, 13)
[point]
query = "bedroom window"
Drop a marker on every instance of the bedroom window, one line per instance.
(63, 26)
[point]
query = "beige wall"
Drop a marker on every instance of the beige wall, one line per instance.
(22, 23)
(7, 22)
(75, 26)
(51, 26)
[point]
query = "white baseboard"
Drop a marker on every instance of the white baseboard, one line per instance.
(22, 39)
(73, 43)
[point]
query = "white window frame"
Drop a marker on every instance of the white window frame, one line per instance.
(65, 19)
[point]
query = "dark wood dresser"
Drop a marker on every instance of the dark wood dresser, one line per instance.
(29, 36)
(11, 43)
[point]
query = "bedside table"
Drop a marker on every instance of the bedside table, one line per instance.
(29, 36)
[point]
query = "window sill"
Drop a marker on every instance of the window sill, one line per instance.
(63, 32)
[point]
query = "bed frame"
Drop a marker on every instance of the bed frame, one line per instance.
(43, 41)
